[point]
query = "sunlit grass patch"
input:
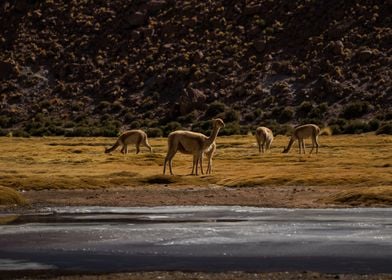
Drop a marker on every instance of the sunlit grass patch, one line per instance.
(10, 196)
(346, 161)
(123, 174)
(8, 219)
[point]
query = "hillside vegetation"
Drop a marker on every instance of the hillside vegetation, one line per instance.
(84, 67)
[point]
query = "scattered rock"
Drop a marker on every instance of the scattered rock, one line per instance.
(137, 19)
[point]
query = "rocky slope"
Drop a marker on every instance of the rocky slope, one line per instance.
(90, 67)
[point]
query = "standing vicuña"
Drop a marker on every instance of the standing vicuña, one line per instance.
(189, 142)
(209, 153)
(264, 138)
(136, 137)
(301, 132)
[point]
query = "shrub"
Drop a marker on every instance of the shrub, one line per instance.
(214, 109)
(336, 129)
(3, 132)
(20, 133)
(202, 127)
(388, 116)
(80, 131)
(129, 117)
(282, 129)
(107, 131)
(374, 124)
(135, 124)
(319, 111)
(4, 121)
(385, 129)
(231, 116)
(189, 118)
(104, 106)
(245, 129)
(154, 132)
(116, 106)
(170, 127)
(10, 196)
(356, 109)
(357, 126)
(286, 115)
(231, 129)
(258, 113)
(304, 109)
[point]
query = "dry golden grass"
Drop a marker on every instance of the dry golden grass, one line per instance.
(356, 162)
(10, 196)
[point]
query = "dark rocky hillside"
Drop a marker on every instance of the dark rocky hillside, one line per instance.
(92, 67)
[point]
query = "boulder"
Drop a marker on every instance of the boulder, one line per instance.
(191, 99)
(7, 70)
(252, 9)
(259, 45)
(137, 19)
(155, 5)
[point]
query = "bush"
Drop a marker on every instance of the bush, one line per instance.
(189, 118)
(104, 106)
(202, 127)
(258, 113)
(20, 133)
(154, 132)
(214, 109)
(129, 117)
(135, 125)
(356, 109)
(170, 127)
(79, 131)
(231, 129)
(231, 116)
(385, 129)
(304, 109)
(374, 124)
(357, 126)
(286, 115)
(4, 121)
(336, 129)
(107, 131)
(3, 132)
(282, 129)
(318, 112)
(388, 116)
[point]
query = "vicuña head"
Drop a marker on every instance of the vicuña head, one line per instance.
(218, 123)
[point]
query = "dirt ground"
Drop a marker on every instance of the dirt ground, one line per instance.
(158, 195)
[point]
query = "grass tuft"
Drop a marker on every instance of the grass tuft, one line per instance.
(364, 195)
(10, 196)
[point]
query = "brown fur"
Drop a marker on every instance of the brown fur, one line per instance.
(137, 137)
(189, 142)
(300, 133)
(264, 138)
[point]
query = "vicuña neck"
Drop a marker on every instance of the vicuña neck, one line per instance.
(213, 135)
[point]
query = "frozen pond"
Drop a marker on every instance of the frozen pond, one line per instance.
(109, 239)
